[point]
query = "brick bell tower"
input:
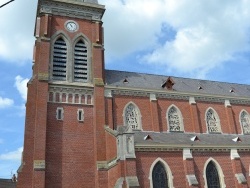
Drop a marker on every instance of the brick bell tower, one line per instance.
(65, 115)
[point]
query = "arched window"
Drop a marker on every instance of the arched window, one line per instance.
(59, 60)
(175, 121)
(159, 176)
(245, 122)
(213, 122)
(212, 176)
(80, 62)
(132, 116)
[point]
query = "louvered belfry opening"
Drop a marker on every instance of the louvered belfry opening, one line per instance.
(80, 62)
(59, 60)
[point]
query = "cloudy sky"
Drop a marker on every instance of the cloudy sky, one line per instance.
(207, 39)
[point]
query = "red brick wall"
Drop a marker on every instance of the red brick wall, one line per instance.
(111, 146)
(70, 147)
(144, 160)
(193, 115)
(245, 165)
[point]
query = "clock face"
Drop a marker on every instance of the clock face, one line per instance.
(71, 26)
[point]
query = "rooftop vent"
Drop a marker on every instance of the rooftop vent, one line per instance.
(168, 83)
(237, 139)
(125, 81)
(231, 90)
(148, 137)
(195, 138)
(200, 88)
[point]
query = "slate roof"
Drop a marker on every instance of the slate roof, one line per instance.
(91, 1)
(7, 183)
(184, 140)
(186, 85)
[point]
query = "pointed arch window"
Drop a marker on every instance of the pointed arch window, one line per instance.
(212, 176)
(159, 176)
(175, 121)
(80, 62)
(245, 122)
(59, 60)
(132, 117)
(213, 122)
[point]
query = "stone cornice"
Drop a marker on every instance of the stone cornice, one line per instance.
(71, 84)
(70, 95)
(72, 9)
(203, 148)
(177, 95)
(111, 131)
(106, 165)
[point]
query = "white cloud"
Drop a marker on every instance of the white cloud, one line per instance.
(16, 30)
(208, 33)
(131, 25)
(21, 85)
(13, 155)
(5, 102)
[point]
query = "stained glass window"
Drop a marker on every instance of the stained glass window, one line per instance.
(174, 120)
(159, 176)
(213, 123)
(132, 117)
(213, 180)
(245, 122)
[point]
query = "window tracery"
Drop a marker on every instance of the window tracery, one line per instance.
(174, 120)
(245, 122)
(132, 117)
(213, 123)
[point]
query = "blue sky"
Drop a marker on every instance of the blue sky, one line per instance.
(206, 39)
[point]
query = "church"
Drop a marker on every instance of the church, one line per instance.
(88, 127)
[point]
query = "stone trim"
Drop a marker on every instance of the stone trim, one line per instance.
(111, 131)
(119, 183)
(241, 178)
(98, 82)
(187, 154)
(161, 148)
(153, 97)
(227, 103)
(73, 9)
(70, 95)
(132, 181)
(39, 165)
(108, 93)
(43, 76)
(192, 180)
(192, 100)
(178, 95)
(106, 165)
(234, 154)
